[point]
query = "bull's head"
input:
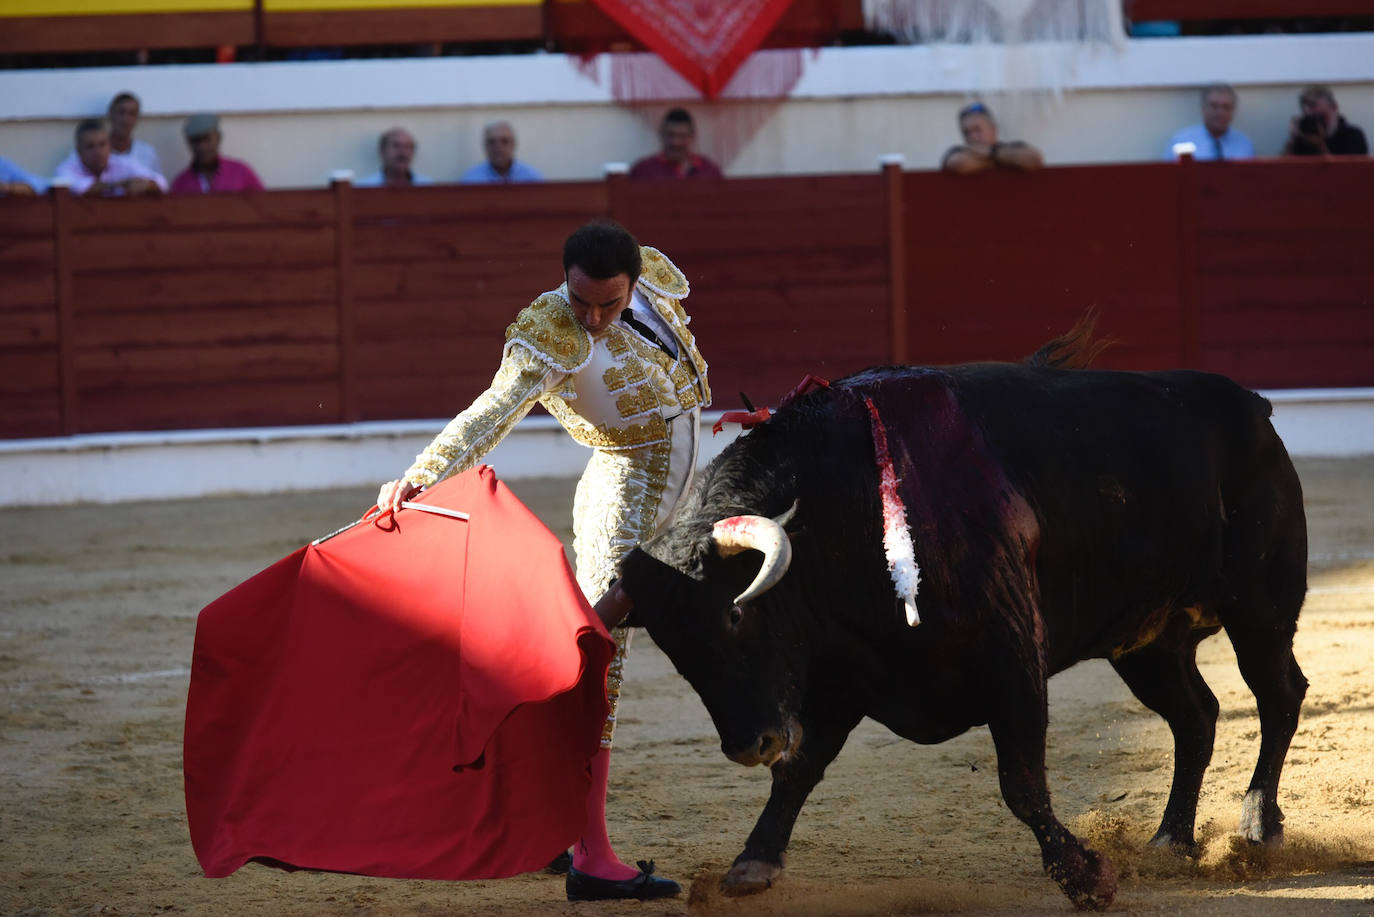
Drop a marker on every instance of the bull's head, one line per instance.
(709, 609)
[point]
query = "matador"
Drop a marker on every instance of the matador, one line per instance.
(609, 355)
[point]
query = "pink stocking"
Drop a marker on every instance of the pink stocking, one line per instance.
(593, 853)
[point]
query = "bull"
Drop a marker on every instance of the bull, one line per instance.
(1057, 513)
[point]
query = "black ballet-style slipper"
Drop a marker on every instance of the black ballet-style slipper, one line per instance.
(645, 886)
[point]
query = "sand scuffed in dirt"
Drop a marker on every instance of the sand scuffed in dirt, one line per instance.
(99, 608)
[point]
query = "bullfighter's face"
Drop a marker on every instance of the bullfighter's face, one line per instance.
(598, 302)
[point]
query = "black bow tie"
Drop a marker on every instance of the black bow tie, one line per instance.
(646, 332)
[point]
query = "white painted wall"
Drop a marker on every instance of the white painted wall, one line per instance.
(296, 122)
(120, 467)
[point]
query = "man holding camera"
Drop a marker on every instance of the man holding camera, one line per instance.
(1320, 130)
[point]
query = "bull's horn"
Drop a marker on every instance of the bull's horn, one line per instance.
(757, 533)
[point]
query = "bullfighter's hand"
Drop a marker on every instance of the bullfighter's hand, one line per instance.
(393, 493)
(614, 606)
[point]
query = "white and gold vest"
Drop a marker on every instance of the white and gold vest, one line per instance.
(621, 391)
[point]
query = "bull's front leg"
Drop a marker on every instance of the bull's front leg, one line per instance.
(794, 777)
(1018, 731)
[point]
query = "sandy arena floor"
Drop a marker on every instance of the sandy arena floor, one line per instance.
(97, 616)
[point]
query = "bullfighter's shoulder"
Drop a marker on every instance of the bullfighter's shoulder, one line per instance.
(549, 327)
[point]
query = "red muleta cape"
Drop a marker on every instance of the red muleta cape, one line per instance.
(416, 697)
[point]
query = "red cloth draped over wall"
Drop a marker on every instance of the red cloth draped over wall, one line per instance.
(704, 40)
(417, 697)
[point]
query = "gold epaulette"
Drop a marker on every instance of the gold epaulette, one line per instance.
(661, 275)
(550, 329)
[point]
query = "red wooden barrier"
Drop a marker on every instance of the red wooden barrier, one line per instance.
(30, 387)
(439, 274)
(1285, 278)
(789, 275)
(322, 306)
(191, 312)
(1258, 270)
(1000, 263)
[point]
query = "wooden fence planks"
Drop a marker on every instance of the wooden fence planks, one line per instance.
(180, 248)
(1284, 278)
(225, 327)
(438, 275)
(253, 209)
(30, 384)
(322, 306)
(998, 264)
(135, 288)
(788, 275)
(257, 403)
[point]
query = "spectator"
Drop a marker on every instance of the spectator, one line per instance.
(95, 173)
(678, 134)
(1320, 129)
(123, 118)
(15, 181)
(501, 167)
(396, 149)
(981, 150)
(1214, 138)
(209, 171)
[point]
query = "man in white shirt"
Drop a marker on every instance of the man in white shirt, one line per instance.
(94, 172)
(1214, 138)
(123, 116)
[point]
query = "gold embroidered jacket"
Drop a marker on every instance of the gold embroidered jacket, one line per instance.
(615, 392)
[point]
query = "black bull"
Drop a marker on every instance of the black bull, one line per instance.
(1057, 515)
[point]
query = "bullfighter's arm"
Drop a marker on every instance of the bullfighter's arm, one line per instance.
(521, 381)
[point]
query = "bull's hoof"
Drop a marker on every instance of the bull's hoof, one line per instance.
(1087, 877)
(750, 877)
(1258, 824)
(1184, 847)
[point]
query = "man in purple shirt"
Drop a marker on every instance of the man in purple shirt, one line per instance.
(95, 173)
(676, 160)
(209, 171)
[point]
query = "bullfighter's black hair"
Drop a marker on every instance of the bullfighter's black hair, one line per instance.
(603, 249)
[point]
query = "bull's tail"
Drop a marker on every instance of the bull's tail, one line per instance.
(1074, 350)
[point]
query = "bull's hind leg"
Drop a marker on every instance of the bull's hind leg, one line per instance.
(1266, 571)
(1018, 731)
(1267, 664)
(1164, 677)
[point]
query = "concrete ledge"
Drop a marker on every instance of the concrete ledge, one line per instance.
(521, 80)
(119, 467)
(1325, 422)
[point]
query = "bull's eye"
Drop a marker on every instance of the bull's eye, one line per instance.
(736, 613)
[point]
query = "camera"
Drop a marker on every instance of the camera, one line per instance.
(1309, 125)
